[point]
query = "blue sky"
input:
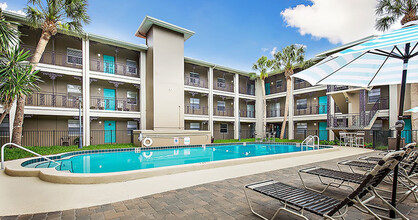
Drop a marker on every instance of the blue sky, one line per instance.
(233, 33)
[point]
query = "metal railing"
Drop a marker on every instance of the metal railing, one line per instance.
(223, 112)
(111, 137)
(301, 85)
(52, 100)
(247, 114)
(228, 87)
(245, 90)
(274, 89)
(20, 147)
(247, 133)
(202, 83)
(56, 58)
(201, 110)
(312, 110)
(113, 104)
(275, 113)
(117, 68)
(222, 135)
(310, 141)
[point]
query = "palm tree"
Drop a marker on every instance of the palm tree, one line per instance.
(288, 59)
(9, 36)
(49, 15)
(263, 66)
(17, 78)
(389, 11)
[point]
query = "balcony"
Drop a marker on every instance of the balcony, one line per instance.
(45, 99)
(247, 114)
(194, 110)
(312, 110)
(113, 104)
(301, 84)
(275, 113)
(57, 58)
(195, 82)
(223, 87)
(275, 89)
(116, 68)
(228, 112)
(246, 91)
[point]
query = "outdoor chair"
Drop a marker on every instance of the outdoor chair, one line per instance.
(65, 141)
(372, 159)
(296, 200)
(359, 139)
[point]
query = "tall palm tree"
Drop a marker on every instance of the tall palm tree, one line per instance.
(288, 59)
(17, 78)
(389, 11)
(9, 35)
(49, 15)
(263, 66)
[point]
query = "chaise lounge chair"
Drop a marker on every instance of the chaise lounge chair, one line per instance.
(374, 159)
(298, 200)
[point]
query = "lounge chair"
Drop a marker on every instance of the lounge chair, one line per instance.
(372, 159)
(298, 200)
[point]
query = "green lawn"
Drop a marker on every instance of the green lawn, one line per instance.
(16, 153)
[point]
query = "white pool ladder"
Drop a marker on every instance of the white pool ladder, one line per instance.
(18, 146)
(310, 141)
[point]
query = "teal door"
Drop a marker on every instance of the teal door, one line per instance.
(323, 132)
(323, 105)
(407, 131)
(110, 132)
(267, 88)
(109, 64)
(109, 96)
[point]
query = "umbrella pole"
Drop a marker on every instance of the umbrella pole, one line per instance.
(399, 130)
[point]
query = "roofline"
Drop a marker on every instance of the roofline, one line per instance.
(149, 21)
(345, 46)
(215, 66)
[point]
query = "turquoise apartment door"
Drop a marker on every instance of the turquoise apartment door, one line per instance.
(110, 132)
(108, 64)
(267, 88)
(323, 105)
(407, 131)
(323, 132)
(109, 96)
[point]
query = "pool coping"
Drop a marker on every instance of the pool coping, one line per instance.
(15, 168)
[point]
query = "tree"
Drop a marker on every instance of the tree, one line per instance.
(263, 66)
(390, 11)
(288, 59)
(49, 15)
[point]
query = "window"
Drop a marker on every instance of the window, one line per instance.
(74, 128)
(374, 95)
(195, 103)
(194, 126)
(221, 105)
(297, 80)
(301, 104)
(132, 97)
(4, 127)
(131, 125)
(221, 83)
(279, 83)
(301, 128)
(73, 91)
(74, 56)
(224, 128)
(131, 66)
(194, 77)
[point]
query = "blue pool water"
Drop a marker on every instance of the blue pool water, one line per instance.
(146, 159)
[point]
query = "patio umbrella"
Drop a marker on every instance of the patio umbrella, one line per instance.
(387, 59)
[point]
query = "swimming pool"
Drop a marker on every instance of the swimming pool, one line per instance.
(118, 160)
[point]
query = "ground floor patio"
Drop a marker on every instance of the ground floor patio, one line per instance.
(205, 194)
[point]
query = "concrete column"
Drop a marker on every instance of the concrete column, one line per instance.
(142, 94)
(290, 124)
(86, 91)
(259, 108)
(210, 100)
(236, 106)
(393, 106)
(331, 136)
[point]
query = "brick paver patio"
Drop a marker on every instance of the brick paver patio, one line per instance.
(218, 200)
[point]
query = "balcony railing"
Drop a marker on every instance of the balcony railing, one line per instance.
(223, 112)
(113, 104)
(312, 110)
(224, 134)
(275, 89)
(195, 82)
(56, 58)
(194, 110)
(381, 104)
(52, 100)
(275, 113)
(302, 84)
(247, 133)
(223, 86)
(247, 114)
(247, 91)
(114, 68)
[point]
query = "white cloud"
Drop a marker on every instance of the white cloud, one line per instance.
(339, 21)
(264, 49)
(274, 51)
(301, 45)
(4, 6)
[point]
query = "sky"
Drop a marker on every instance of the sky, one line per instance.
(235, 33)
